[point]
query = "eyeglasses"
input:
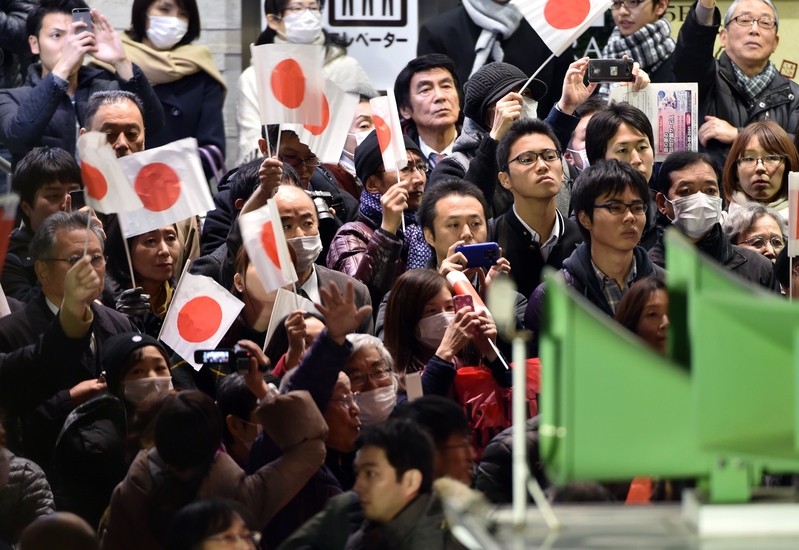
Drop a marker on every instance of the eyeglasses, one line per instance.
(348, 400)
(629, 4)
(759, 242)
(617, 208)
(311, 162)
(359, 379)
(746, 21)
(254, 538)
(421, 166)
(297, 8)
(769, 161)
(530, 157)
(98, 260)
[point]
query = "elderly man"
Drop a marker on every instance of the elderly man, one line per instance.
(120, 115)
(742, 85)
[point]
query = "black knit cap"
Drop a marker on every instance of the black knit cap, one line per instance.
(368, 158)
(491, 83)
(116, 351)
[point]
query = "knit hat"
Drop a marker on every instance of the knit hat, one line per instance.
(368, 158)
(490, 84)
(117, 350)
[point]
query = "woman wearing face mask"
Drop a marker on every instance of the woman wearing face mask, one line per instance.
(101, 437)
(425, 334)
(370, 370)
(183, 75)
(757, 167)
(294, 22)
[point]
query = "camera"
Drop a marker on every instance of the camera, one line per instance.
(238, 358)
(324, 201)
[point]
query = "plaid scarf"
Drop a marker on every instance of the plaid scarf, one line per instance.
(650, 46)
(414, 247)
(753, 87)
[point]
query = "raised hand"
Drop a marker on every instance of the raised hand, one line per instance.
(255, 376)
(394, 203)
(341, 314)
(295, 329)
(575, 92)
(76, 45)
(133, 302)
(462, 329)
(507, 110)
(82, 285)
(108, 46)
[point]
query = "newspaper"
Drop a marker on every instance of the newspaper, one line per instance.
(672, 109)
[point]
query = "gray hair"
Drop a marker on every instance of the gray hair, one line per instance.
(731, 10)
(741, 219)
(361, 341)
(109, 97)
(46, 238)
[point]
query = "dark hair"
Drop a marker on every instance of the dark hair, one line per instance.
(34, 22)
(635, 300)
(678, 161)
(117, 264)
(279, 343)
(591, 105)
(773, 139)
(277, 7)
(138, 20)
(440, 416)
(519, 129)
(402, 85)
(109, 97)
(46, 237)
(605, 124)
(132, 360)
(411, 291)
(609, 177)
(782, 269)
(427, 212)
(407, 446)
(43, 166)
(234, 397)
(202, 519)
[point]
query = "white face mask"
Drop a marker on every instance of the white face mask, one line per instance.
(307, 249)
(258, 430)
(529, 108)
(696, 214)
(137, 391)
(303, 28)
(165, 32)
(582, 155)
(376, 404)
(432, 328)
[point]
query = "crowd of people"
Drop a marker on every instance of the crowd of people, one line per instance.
(349, 423)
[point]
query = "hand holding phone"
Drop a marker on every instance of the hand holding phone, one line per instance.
(480, 255)
(83, 15)
(610, 70)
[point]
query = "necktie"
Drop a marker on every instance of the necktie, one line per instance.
(435, 157)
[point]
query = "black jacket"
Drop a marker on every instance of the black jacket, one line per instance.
(19, 276)
(41, 113)
(16, 51)
(719, 94)
(747, 263)
(524, 254)
(25, 498)
(454, 34)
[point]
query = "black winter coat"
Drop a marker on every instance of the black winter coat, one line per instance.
(19, 276)
(14, 46)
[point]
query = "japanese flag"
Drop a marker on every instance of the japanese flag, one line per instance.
(200, 314)
(560, 22)
(327, 139)
(289, 82)
(262, 233)
(105, 184)
(8, 215)
(793, 214)
(171, 184)
(389, 132)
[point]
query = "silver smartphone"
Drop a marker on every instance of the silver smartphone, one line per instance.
(85, 15)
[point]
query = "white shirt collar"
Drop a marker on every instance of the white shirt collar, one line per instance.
(551, 241)
(54, 308)
(311, 287)
(427, 150)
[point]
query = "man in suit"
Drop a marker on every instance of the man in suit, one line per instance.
(56, 247)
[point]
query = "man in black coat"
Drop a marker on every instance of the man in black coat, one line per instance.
(532, 233)
(52, 104)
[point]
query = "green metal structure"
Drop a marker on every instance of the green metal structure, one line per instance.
(722, 407)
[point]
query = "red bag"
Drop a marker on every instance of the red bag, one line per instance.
(487, 405)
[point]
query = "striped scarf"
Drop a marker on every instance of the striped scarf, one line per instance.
(650, 46)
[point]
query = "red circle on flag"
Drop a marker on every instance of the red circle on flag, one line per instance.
(566, 15)
(316, 130)
(93, 180)
(269, 243)
(288, 83)
(383, 133)
(158, 186)
(199, 319)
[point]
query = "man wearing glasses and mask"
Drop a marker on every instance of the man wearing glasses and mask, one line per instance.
(743, 85)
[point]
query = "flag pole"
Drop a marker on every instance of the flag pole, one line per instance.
(277, 145)
(88, 229)
(174, 294)
(127, 253)
(402, 219)
(535, 74)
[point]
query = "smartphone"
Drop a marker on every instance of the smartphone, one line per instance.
(610, 70)
(78, 199)
(462, 302)
(480, 255)
(85, 15)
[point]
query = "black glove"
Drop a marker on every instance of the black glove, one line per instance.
(133, 303)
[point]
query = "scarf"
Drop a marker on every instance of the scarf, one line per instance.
(163, 67)
(495, 20)
(414, 247)
(753, 87)
(650, 46)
